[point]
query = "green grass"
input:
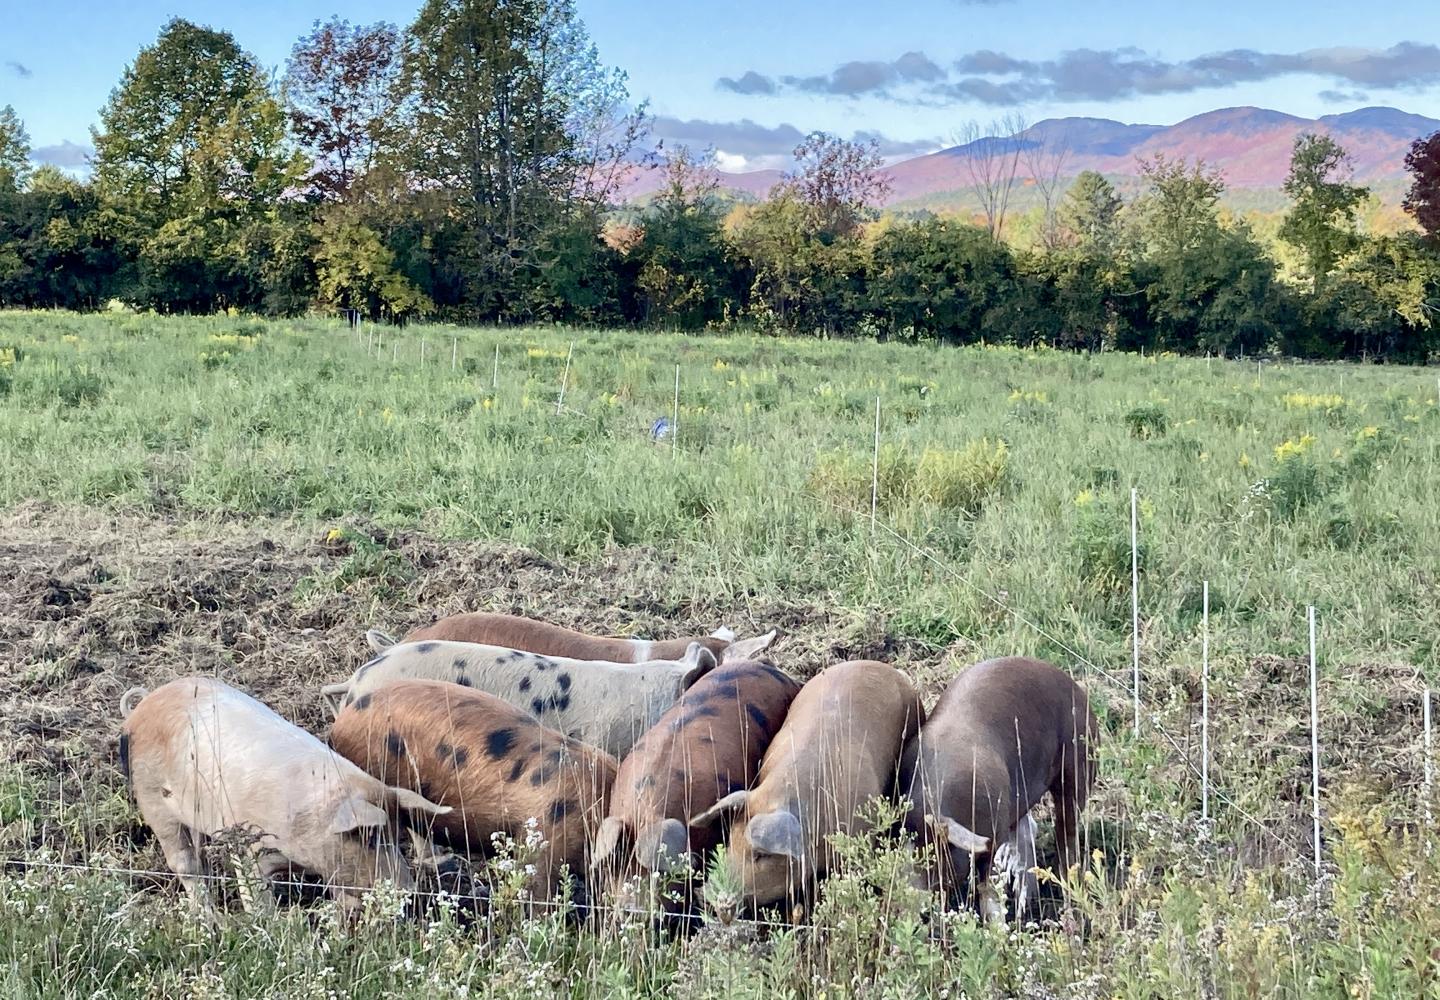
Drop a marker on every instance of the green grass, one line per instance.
(1283, 487)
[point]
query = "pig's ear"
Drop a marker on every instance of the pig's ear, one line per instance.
(379, 641)
(613, 830)
(735, 800)
(699, 661)
(357, 813)
(403, 798)
(748, 649)
(660, 846)
(960, 836)
(776, 833)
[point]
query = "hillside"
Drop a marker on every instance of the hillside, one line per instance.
(1251, 146)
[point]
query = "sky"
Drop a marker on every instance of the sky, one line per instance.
(752, 76)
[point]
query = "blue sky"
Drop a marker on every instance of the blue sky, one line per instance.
(750, 76)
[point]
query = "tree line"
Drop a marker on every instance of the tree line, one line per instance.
(469, 167)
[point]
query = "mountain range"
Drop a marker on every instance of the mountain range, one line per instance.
(1250, 146)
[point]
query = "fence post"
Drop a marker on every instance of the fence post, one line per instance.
(1135, 601)
(1314, 741)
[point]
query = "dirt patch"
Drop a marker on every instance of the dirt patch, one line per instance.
(93, 603)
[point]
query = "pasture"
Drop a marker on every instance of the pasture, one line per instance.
(244, 498)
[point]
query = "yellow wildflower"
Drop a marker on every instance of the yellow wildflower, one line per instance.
(1292, 449)
(1084, 498)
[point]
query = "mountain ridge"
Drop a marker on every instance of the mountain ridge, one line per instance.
(1250, 147)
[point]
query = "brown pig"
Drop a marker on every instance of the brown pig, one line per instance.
(839, 747)
(708, 745)
(514, 632)
(1004, 733)
(491, 762)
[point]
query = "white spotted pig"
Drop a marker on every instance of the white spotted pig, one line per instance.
(1004, 733)
(706, 746)
(839, 747)
(202, 758)
(514, 632)
(607, 705)
(494, 764)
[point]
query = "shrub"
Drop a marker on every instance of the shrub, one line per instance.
(1147, 422)
(961, 480)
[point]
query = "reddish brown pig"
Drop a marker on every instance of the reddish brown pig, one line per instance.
(706, 746)
(838, 748)
(1003, 734)
(492, 763)
(514, 632)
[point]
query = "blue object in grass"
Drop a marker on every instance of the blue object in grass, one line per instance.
(660, 429)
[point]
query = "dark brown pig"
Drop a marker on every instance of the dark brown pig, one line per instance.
(1003, 734)
(706, 746)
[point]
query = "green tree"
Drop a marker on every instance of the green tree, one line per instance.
(514, 123)
(14, 150)
(1180, 209)
(1383, 301)
(193, 156)
(1091, 211)
(941, 279)
(684, 278)
(1321, 222)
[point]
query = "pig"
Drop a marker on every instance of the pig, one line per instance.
(839, 747)
(492, 763)
(1004, 733)
(514, 632)
(706, 746)
(607, 705)
(202, 757)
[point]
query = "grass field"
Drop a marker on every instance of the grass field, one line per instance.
(244, 498)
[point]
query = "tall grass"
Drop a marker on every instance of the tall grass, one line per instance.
(1299, 485)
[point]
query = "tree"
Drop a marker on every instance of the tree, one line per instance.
(1091, 212)
(1321, 223)
(14, 150)
(513, 122)
(1180, 211)
(941, 279)
(55, 252)
(1423, 199)
(991, 158)
(684, 277)
(340, 93)
(1045, 157)
(194, 159)
(838, 182)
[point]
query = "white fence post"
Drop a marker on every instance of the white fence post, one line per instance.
(1314, 741)
(1135, 601)
(675, 417)
(875, 470)
(564, 378)
(1205, 700)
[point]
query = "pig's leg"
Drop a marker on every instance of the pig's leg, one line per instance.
(1068, 793)
(991, 906)
(182, 855)
(1018, 858)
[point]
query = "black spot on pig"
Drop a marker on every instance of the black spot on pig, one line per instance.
(564, 681)
(524, 684)
(448, 754)
(460, 663)
(517, 770)
(464, 681)
(499, 743)
(561, 808)
(549, 769)
(425, 647)
(723, 691)
(758, 717)
(395, 743)
(541, 663)
(361, 703)
(125, 755)
(644, 781)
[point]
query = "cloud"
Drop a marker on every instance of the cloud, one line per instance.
(747, 145)
(986, 76)
(750, 82)
(1344, 96)
(67, 154)
(851, 79)
(19, 69)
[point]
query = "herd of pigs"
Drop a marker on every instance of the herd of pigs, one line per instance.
(631, 759)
